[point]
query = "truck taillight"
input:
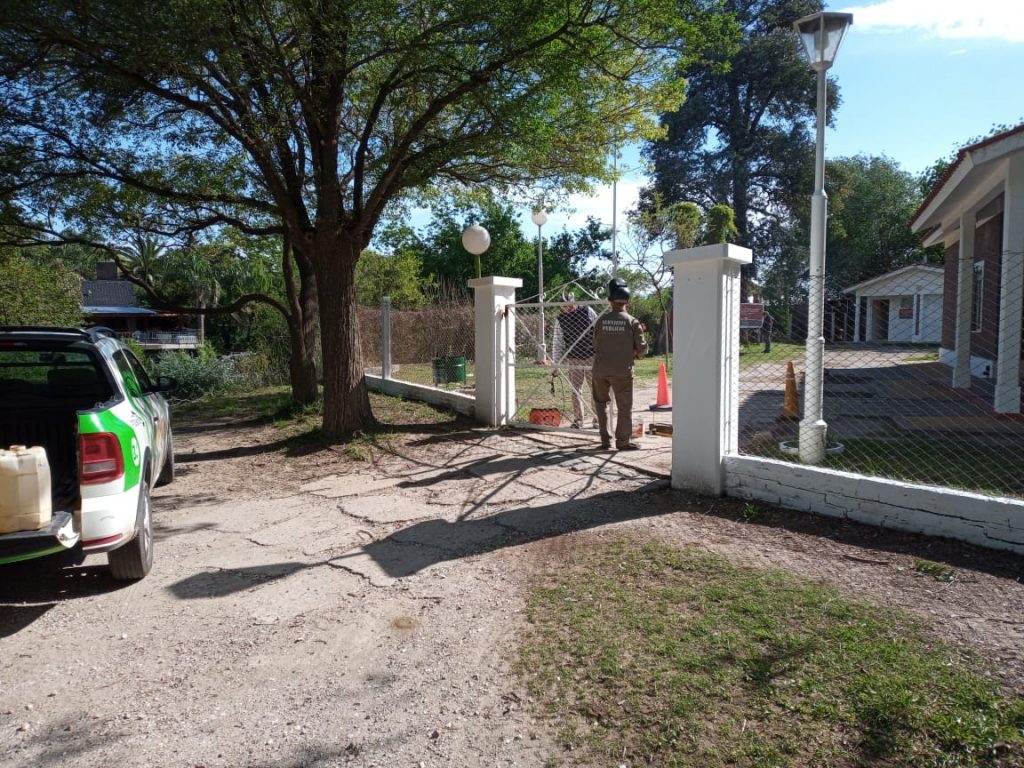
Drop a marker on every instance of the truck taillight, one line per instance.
(101, 458)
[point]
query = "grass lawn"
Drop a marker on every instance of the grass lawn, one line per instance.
(754, 354)
(990, 469)
(649, 655)
(995, 470)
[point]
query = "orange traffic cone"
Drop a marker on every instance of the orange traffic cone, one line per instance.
(790, 406)
(663, 403)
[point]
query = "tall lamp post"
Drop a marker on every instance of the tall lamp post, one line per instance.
(821, 34)
(476, 240)
(540, 219)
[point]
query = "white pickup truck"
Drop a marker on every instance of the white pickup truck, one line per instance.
(105, 426)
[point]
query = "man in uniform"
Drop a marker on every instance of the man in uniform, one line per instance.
(618, 341)
(573, 350)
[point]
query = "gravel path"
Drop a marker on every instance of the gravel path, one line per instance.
(312, 610)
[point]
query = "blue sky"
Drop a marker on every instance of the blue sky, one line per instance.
(918, 79)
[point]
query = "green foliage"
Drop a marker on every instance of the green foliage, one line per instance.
(138, 351)
(36, 292)
(743, 138)
(201, 374)
(259, 346)
(571, 256)
(721, 225)
(937, 571)
(446, 267)
(685, 219)
(399, 275)
(662, 227)
(871, 201)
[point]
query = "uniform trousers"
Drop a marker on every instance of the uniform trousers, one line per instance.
(622, 388)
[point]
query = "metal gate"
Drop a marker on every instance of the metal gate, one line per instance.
(553, 359)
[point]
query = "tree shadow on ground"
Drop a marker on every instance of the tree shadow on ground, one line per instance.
(421, 545)
(426, 543)
(429, 542)
(226, 581)
(313, 441)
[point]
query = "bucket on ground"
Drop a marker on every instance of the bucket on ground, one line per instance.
(548, 417)
(449, 370)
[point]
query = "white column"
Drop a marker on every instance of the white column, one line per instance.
(1011, 288)
(495, 348)
(856, 318)
(869, 327)
(705, 363)
(964, 301)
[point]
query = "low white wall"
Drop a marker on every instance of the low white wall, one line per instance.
(988, 521)
(458, 402)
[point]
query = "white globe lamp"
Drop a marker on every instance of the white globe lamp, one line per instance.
(476, 240)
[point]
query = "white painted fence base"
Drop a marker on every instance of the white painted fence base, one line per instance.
(988, 521)
(457, 401)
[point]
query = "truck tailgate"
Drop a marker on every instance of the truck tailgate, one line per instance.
(58, 536)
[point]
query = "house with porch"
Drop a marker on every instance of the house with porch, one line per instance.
(976, 212)
(112, 303)
(904, 305)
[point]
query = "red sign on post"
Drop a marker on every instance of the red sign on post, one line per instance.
(751, 315)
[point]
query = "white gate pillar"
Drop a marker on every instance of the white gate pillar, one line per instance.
(495, 380)
(705, 363)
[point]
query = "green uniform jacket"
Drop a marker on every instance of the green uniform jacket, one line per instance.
(618, 341)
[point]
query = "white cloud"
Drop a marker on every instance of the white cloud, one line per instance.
(599, 205)
(955, 19)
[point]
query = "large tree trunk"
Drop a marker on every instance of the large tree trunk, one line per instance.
(303, 324)
(346, 401)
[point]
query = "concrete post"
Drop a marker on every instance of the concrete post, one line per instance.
(1011, 290)
(705, 364)
(495, 348)
(385, 337)
(964, 302)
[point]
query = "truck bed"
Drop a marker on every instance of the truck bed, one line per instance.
(56, 430)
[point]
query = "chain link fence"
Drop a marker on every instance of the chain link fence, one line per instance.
(554, 357)
(433, 347)
(921, 380)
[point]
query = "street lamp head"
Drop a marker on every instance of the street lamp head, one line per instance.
(821, 34)
(476, 239)
(539, 218)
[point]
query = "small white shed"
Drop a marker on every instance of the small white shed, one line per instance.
(904, 305)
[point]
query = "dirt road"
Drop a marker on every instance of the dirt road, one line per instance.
(317, 607)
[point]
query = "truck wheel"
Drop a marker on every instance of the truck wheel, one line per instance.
(133, 561)
(166, 476)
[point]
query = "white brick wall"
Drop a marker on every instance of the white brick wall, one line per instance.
(988, 521)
